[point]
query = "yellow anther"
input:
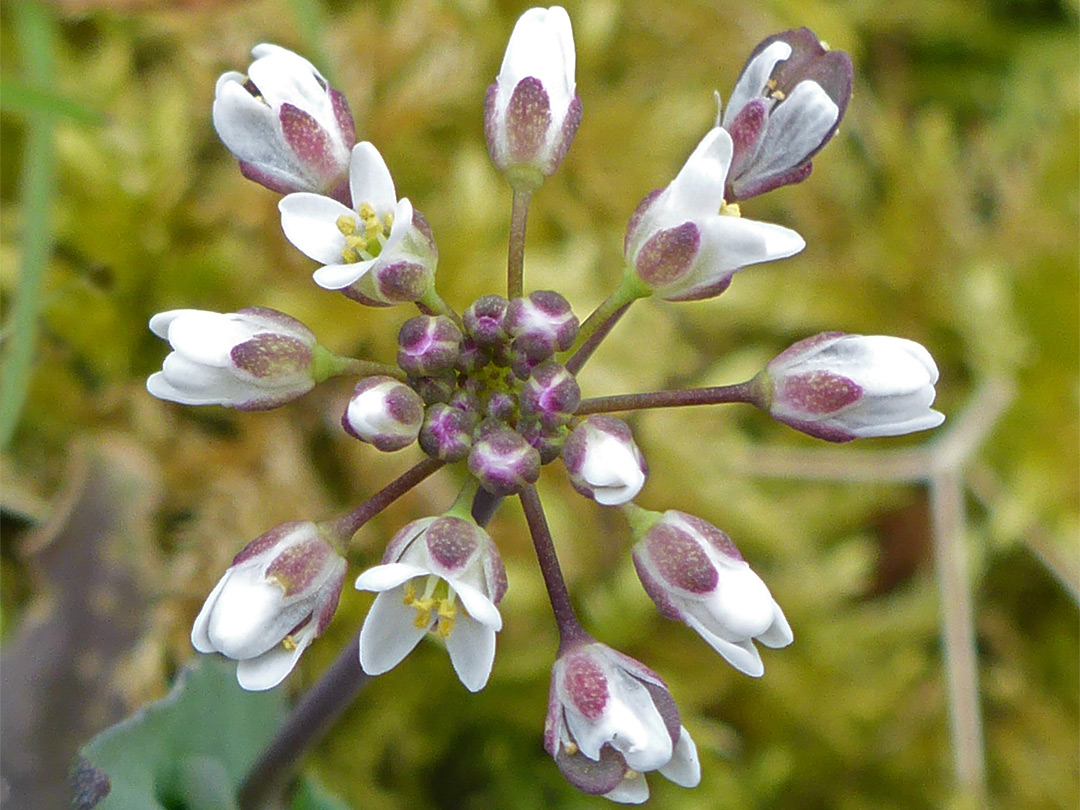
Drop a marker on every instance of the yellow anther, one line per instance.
(389, 219)
(779, 95)
(446, 627)
(349, 256)
(570, 748)
(288, 643)
(631, 775)
(410, 594)
(372, 227)
(346, 224)
(730, 209)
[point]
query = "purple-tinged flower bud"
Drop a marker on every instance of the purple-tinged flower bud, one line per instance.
(471, 357)
(447, 432)
(603, 461)
(503, 462)
(677, 244)
(550, 395)
(484, 321)
(437, 388)
(786, 105)
(254, 359)
(441, 575)
(611, 719)
(384, 412)
(288, 128)
(500, 405)
(531, 112)
(428, 344)
(694, 574)
(840, 387)
(548, 441)
(279, 594)
(541, 323)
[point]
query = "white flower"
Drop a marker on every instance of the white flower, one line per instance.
(786, 105)
(439, 574)
(695, 574)
(385, 412)
(290, 130)
(840, 387)
(253, 359)
(682, 248)
(380, 251)
(531, 111)
(603, 460)
(611, 719)
(279, 594)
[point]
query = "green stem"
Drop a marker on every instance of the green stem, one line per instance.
(602, 320)
(515, 259)
(462, 506)
(432, 304)
(327, 364)
(640, 520)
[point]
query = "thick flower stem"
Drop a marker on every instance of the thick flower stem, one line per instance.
(307, 724)
(515, 260)
(742, 392)
(570, 629)
(348, 525)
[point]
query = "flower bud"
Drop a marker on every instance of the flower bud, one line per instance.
(484, 320)
(254, 359)
(447, 432)
(840, 387)
(786, 105)
(550, 395)
(603, 461)
(531, 112)
(441, 575)
(384, 412)
(694, 574)
(279, 594)
(428, 344)
(288, 128)
(548, 441)
(437, 388)
(609, 715)
(502, 461)
(541, 323)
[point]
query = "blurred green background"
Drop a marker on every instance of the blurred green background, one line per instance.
(946, 211)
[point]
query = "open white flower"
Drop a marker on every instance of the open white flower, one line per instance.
(278, 595)
(685, 244)
(290, 130)
(441, 575)
(840, 387)
(253, 359)
(378, 252)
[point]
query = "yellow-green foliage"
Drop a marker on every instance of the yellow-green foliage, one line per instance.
(945, 211)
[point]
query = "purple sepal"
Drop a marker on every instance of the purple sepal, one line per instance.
(528, 118)
(668, 255)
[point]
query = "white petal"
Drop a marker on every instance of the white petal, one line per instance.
(285, 77)
(340, 276)
(743, 655)
(741, 603)
(310, 223)
(200, 640)
(478, 605)
(370, 180)
(208, 338)
(795, 128)
(633, 789)
(630, 722)
(273, 666)
(384, 577)
(250, 617)
(159, 324)
(247, 126)
(389, 633)
(779, 633)
(728, 243)
(684, 769)
(471, 646)
(698, 189)
(751, 82)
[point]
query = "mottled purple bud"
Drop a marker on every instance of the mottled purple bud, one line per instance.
(384, 412)
(501, 405)
(548, 441)
(484, 321)
(550, 395)
(447, 432)
(436, 388)
(603, 460)
(541, 323)
(428, 344)
(503, 462)
(471, 357)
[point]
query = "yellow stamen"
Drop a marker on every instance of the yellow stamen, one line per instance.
(346, 224)
(570, 748)
(730, 209)
(288, 643)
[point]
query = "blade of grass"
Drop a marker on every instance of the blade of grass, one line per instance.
(22, 96)
(35, 32)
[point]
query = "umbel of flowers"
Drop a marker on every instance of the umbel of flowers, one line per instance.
(491, 391)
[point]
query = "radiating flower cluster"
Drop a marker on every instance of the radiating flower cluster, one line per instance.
(492, 391)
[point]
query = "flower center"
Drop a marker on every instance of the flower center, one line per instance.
(439, 597)
(366, 236)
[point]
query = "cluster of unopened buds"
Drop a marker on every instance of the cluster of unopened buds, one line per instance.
(492, 391)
